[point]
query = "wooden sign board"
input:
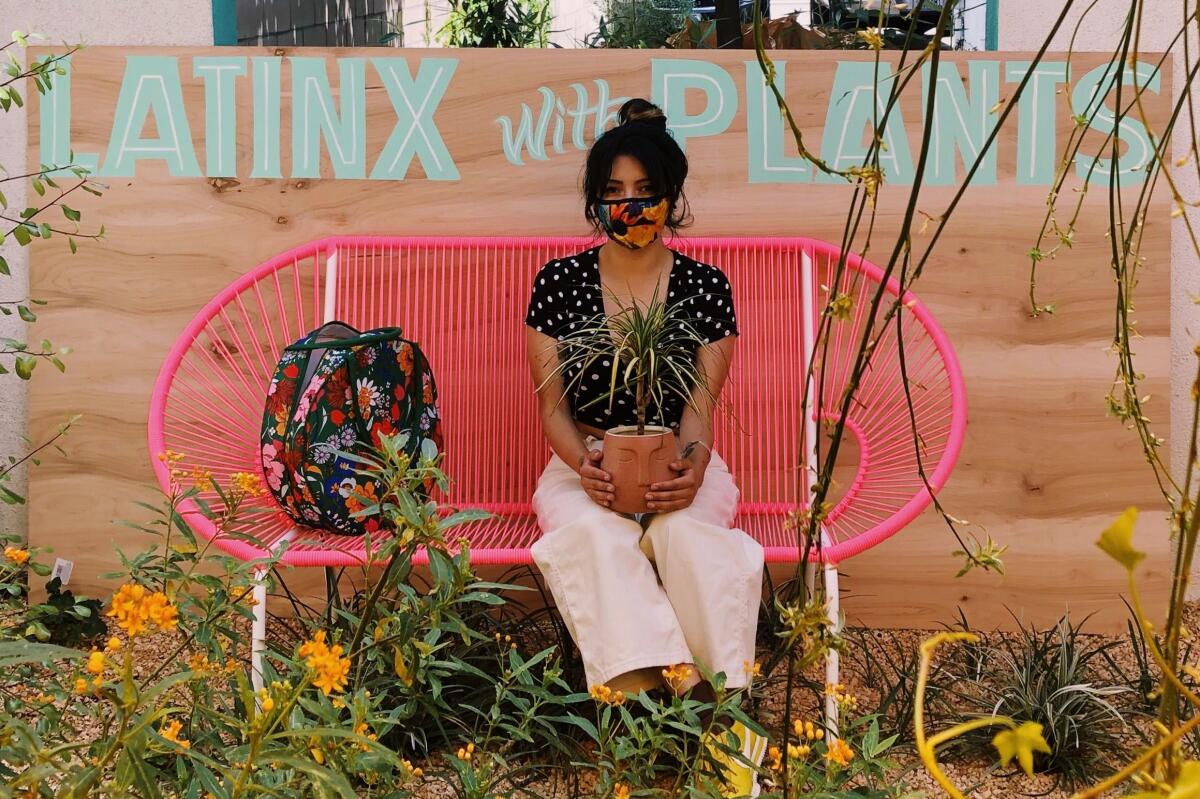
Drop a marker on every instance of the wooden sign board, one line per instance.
(218, 158)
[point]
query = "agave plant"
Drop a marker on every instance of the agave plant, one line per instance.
(650, 346)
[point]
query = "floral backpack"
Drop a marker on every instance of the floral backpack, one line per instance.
(338, 389)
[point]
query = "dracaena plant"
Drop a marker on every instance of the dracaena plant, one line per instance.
(650, 347)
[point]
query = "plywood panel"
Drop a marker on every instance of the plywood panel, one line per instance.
(1042, 468)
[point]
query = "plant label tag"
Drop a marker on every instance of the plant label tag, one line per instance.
(62, 570)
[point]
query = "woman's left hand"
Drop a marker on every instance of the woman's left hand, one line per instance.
(678, 493)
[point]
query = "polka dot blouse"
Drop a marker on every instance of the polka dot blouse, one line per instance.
(566, 294)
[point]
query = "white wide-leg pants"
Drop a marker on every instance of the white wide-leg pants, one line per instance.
(696, 602)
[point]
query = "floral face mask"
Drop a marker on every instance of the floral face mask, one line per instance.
(634, 221)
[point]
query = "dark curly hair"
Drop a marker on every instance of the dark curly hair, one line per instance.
(641, 133)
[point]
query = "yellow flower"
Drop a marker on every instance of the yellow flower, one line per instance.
(318, 755)
(44, 699)
(873, 37)
(333, 670)
(202, 478)
(134, 607)
(839, 752)
(95, 662)
(198, 662)
(602, 693)
(1117, 540)
(776, 758)
(410, 771)
(113, 645)
(1021, 743)
(676, 675)
(752, 671)
(464, 753)
(621, 791)
(171, 733)
(246, 484)
(81, 686)
(265, 702)
(840, 307)
(17, 556)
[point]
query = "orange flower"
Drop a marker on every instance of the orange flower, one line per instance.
(134, 607)
(839, 752)
(333, 670)
(17, 556)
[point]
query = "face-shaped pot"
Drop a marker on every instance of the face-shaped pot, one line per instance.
(635, 462)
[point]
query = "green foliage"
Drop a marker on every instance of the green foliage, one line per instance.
(63, 618)
(854, 767)
(368, 695)
(1055, 678)
(496, 23)
(651, 348)
(638, 23)
(51, 185)
(881, 659)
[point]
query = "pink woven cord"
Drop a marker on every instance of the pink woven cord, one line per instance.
(466, 283)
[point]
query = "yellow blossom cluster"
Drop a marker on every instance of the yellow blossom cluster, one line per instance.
(465, 752)
(873, 37)
(676, 675)
(96, 665)
(507, 640)
(753, 671)
(171, 459)
(807, 730)
(602, 693)
(621, 791)
(333, 670)
(202, 479)
(265, 703)
(246, 484)
(113, 645)
(364, 729)
(171, 733)
(411, 772)
(18, 556)
(845, 701)
(134, 606)
(839, 752)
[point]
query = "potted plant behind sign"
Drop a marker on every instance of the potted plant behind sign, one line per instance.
(652, 350)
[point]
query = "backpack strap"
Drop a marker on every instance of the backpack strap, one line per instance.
(377, 336)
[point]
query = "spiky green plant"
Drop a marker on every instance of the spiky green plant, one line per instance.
(651, 348)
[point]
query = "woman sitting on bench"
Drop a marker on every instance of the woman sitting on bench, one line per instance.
(686, 588)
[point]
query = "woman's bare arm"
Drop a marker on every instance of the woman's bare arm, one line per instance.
(565, 439)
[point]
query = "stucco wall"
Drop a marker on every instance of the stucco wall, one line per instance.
(1101, 31)
(98, 22)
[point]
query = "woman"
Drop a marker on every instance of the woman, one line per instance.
(643, 609)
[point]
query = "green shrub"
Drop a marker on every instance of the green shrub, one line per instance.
(1055, 678)
(638, 23)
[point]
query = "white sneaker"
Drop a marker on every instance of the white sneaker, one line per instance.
(741, 778)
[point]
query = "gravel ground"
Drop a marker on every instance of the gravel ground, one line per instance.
(985, 779)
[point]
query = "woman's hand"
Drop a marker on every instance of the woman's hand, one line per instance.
(595, 481)
(679, 493)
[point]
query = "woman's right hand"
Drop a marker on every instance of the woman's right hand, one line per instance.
(595, 481)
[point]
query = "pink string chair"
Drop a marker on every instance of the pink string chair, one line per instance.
(463, 299)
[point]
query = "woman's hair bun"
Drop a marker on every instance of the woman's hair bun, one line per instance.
(639, 110)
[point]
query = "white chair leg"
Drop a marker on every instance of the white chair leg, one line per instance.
(832, 664)
(258, 633)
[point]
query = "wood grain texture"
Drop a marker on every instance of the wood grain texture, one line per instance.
(1042, 468)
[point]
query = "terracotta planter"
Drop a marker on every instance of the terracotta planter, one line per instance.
(635, 462)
